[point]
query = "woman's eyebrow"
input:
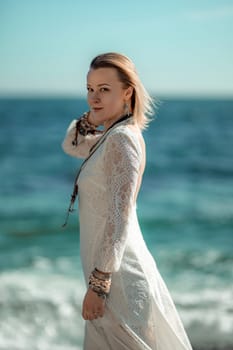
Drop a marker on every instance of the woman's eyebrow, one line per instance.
(103, 84)
(100, 84)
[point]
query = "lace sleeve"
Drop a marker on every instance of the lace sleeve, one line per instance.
(121, 166)
(84, 142)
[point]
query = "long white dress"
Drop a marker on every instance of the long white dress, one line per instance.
(140, 313)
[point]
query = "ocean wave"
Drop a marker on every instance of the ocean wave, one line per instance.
(195, 259)
(43, 304)
(40, 311)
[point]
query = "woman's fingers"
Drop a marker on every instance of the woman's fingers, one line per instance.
(100, 312)
(93, 306)
(92, 315)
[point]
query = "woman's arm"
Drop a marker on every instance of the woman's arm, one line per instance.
(122, 162)
(75, 143)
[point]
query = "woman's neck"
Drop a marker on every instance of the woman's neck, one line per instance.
(110, 123)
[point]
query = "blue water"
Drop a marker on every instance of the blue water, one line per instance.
(185, 208)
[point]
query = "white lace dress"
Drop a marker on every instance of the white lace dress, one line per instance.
(140, 313)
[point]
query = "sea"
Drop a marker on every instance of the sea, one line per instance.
(185, 209)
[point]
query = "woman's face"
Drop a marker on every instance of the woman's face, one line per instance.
(106, 96)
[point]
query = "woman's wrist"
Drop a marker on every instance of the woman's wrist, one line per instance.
(90, 120)
(102, 274)
(100, 282)
(84, 127)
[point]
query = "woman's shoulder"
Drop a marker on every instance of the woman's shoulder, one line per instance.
(127, 135)
(131, 130)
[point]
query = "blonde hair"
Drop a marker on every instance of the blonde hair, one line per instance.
(141, 102)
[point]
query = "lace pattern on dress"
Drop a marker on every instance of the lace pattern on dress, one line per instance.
(121, 167)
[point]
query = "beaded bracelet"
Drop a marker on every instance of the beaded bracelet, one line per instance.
(84, 127)
(100, 283)
(102, 276)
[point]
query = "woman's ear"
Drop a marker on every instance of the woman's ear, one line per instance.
(128, 93)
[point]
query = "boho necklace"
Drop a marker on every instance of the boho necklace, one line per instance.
(92, 150)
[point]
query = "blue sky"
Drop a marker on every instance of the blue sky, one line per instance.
(180, 47)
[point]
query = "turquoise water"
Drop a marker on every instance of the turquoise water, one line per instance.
(185, 208)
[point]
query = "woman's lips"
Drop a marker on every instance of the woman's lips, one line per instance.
(97, 109)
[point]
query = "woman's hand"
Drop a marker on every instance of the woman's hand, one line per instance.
(93, 306)
(91, 119)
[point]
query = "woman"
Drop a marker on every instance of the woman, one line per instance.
(127, 305)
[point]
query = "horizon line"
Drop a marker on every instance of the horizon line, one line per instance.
(156, 96)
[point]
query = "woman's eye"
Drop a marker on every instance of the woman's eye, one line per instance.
(103, 89)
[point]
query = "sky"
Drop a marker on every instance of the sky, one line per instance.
(180, 47)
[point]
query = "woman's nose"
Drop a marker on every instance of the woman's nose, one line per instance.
(95, 96)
